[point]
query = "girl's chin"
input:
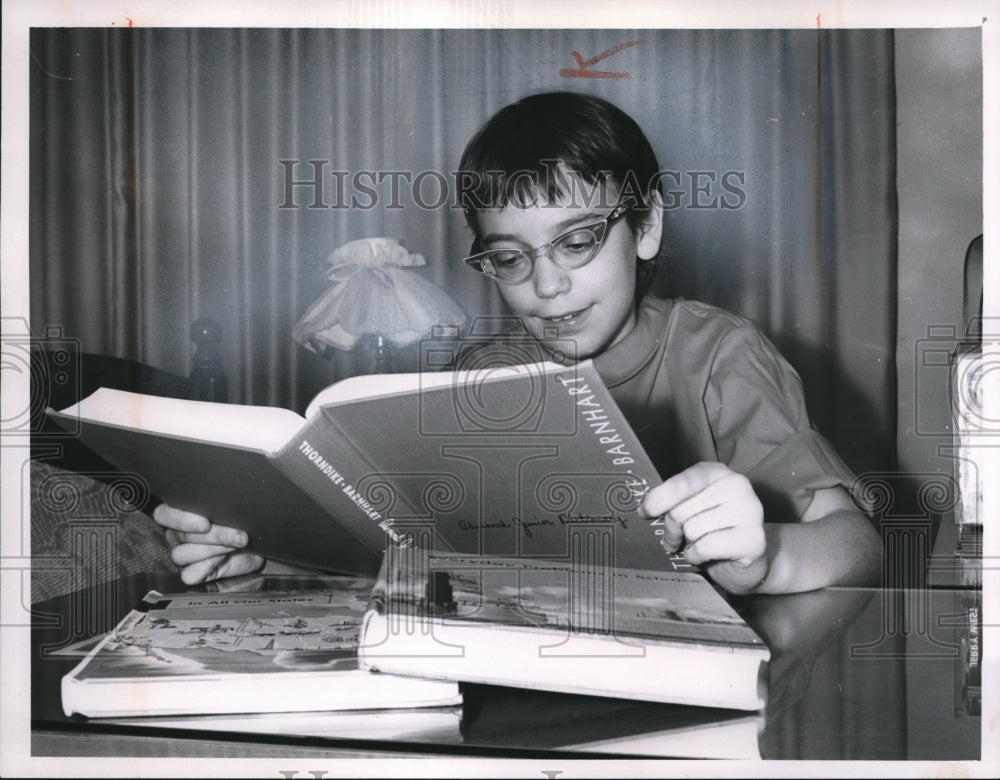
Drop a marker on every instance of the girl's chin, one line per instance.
(567, 348)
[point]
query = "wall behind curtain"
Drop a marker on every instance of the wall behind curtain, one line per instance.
(157, 189)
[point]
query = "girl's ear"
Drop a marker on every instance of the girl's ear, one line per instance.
(650, 230)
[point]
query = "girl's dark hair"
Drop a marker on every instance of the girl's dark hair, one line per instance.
(526, 149)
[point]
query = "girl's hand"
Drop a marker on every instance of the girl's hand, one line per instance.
(205, 551)
(713, 514)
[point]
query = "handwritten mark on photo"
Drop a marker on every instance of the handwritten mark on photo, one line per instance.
(583, 66)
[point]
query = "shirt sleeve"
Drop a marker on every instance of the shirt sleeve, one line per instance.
(756, 410)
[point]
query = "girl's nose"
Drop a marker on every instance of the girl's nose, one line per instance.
(549, 279)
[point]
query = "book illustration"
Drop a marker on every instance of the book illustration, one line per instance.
(241, 652)
(79, 649)
(253, 632)
(556, 597)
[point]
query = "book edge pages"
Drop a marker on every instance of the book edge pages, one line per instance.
(265, 428)
(358, 388)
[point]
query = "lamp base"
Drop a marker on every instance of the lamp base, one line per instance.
(384, 363)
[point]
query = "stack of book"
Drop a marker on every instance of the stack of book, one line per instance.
(406, 639)
(498, 511)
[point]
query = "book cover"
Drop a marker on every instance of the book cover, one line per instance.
(274, 651)
(524, 461)
(562, 626)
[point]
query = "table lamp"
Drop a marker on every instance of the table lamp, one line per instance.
(378, 300)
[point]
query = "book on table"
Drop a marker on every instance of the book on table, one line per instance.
(242, 652)
(571, 626)
(515, 460)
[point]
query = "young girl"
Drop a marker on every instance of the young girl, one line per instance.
(562, 193)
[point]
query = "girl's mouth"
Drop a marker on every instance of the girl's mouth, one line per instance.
(566, 319)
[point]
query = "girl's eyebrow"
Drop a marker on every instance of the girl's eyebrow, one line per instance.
(558, 229)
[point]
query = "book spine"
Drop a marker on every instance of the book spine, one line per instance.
(601, 420)
(599, 413)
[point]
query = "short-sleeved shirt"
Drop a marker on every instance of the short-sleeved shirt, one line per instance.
(702, 384)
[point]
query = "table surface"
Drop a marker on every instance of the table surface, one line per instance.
(855, 674)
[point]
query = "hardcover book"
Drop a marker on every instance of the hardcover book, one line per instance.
(512, 461)
(218, 653)
(562, 626)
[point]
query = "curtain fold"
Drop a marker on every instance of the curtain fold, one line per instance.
(159, 195)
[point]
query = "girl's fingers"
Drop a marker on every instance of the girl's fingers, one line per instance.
(672, 537)
(186, 554)
(221, 566)
(198, 572)
(218, 535)
(740, 544)
(179, 520)
(681, 487)
(731, 493)
(237, 564)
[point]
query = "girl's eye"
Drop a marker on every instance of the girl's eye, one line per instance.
(577, 243)
(505, 259)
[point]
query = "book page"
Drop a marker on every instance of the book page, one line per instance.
(264, 428)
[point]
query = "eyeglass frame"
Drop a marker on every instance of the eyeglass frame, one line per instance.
(475, 261)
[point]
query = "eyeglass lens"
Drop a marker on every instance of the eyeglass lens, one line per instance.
(569, 251)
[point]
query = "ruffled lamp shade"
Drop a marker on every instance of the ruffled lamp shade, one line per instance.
(375, 295)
